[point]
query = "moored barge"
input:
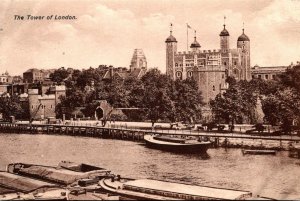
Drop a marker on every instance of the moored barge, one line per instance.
(163, 190)
(175, 144)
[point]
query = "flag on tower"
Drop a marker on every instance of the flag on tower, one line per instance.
(188, 26)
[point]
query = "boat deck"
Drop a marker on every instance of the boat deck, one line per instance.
(167, 141)
(184, 189)
(22, 184)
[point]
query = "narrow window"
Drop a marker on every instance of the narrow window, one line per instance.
(214, 88)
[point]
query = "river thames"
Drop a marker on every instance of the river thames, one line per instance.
(271, 176)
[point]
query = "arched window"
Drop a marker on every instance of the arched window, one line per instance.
(225, 63)
(190, 73)
(178, 74)
(234, 62)
(226, 72)
(176, 64)
(214, 88)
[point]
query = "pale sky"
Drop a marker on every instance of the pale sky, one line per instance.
(107, 32)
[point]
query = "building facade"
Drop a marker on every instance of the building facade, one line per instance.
(5, 78)
(210, 67)
(268, 72)
(138, 64)
(34, 75)
(43, 106)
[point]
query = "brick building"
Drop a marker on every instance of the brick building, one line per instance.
(267, 73)
(34, 75)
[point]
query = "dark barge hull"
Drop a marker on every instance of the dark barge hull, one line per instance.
(180, 148)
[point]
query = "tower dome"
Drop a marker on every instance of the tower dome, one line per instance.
(243, 37)
(195, 44)
(224, 32)
(171, 38)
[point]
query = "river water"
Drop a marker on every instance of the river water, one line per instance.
(271, 176)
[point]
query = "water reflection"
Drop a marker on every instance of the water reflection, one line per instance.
(271, 176)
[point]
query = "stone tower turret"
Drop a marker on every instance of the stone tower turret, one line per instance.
(243, 44)
(224, 39)
(195, 45)
(171, 49)
(33, 101)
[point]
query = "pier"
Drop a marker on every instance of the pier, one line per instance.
(235, 140)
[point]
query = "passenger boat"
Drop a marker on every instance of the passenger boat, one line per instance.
(176, 144)
(143, 189)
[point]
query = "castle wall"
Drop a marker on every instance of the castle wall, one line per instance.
(43, 106)
(170, 54)
(210, 82)
(33, 101)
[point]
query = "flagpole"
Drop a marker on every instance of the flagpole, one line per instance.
(187, 38)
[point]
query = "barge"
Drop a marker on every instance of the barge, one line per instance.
(175, 144)
(163, 190)
(258, 152)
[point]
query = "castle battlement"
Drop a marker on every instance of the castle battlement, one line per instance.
(199, 51)
(58, 88)
(33, 91)
(46, 97)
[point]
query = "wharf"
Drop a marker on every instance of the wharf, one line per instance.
(133, 134)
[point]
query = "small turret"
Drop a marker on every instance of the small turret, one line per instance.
(243, 37)
(224, 38)
(195, 45)
(171, 38)
(171, 49)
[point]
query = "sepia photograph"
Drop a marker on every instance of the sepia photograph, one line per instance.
(149, 100)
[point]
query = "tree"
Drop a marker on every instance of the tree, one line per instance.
(10, 106)
(282, 108)
(59, 75)
(237, 104)
(157, 100)
(74, 98)
(188, 101)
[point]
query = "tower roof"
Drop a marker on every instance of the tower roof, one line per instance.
(195, 44)
(224, 32)
(243, 37)
(171, 38)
